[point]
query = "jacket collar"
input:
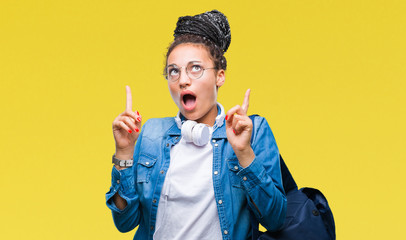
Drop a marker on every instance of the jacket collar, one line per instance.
(217, 134)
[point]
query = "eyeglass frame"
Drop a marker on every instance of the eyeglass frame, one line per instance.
(187, 73)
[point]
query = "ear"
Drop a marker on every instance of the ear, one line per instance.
(221, 77)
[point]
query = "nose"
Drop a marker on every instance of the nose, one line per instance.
(184, 79)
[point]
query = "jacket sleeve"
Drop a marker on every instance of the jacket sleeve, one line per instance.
(123, 183)
(262, 178)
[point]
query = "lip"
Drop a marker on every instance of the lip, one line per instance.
(187, 92)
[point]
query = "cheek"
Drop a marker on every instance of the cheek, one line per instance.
(211, 90)
(174, 94)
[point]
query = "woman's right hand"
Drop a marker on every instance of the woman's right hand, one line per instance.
(126, 128)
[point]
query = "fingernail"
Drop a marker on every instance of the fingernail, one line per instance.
(226, 117)
(130, 131)
(136, 129)
(138, 113)
(138, 119)
(233, 131)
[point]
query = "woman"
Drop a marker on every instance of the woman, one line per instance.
(193, 176)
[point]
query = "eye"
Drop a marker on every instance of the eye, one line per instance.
(173, 72)
(196, 68)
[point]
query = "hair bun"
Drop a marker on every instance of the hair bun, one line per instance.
(212, 25)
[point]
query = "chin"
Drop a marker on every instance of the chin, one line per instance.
(190, 115)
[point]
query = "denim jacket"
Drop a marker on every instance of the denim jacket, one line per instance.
(238, 191)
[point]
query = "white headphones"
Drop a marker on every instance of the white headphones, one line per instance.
(199, 133)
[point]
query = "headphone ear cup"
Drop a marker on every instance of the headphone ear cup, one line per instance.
(200, 134)
(186, 130)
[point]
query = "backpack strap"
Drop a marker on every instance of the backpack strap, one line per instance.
(289, 183)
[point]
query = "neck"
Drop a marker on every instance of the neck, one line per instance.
(210, 117)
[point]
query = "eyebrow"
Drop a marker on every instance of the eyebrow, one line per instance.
(174, 65)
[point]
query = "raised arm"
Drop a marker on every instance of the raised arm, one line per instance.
(239, 131)
(122, 198)
(126, 127)
(261, 175)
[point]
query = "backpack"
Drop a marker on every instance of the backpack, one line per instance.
(308, 215)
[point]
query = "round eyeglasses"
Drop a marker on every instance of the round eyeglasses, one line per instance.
(193, 70)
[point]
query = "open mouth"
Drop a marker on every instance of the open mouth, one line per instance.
(189, 101)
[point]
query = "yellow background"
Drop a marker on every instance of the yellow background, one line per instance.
(328, 75)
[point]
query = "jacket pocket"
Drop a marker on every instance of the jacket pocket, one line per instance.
(144, 167)
(234, 168)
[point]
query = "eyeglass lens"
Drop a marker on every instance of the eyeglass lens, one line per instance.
(193, 70)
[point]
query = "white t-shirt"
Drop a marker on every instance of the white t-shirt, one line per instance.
(187, 208)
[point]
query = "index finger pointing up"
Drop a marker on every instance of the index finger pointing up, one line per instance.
(129, 105)
(246, 102)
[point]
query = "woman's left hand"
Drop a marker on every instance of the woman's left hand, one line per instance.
(239, 131)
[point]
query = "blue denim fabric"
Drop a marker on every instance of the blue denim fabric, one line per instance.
(235, 188)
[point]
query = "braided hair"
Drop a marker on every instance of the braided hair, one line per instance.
(211, 29)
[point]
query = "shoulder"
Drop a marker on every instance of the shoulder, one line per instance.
(153, 133)
(157, 127)
(260, 127)
(166, 121)
(258, 122)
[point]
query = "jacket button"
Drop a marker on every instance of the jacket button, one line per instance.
(220, 201)
(315, 213)
(167, 145)
(216, 145)
(147, 163)
(244, 178)
(154, 201)
(236, 167)
(214, 140)
(118, 181)
(152, 227)
(162, 171)
(216, 172)
(177, 138)
(225, 232)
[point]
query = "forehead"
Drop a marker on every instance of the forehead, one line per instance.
(184, 53)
